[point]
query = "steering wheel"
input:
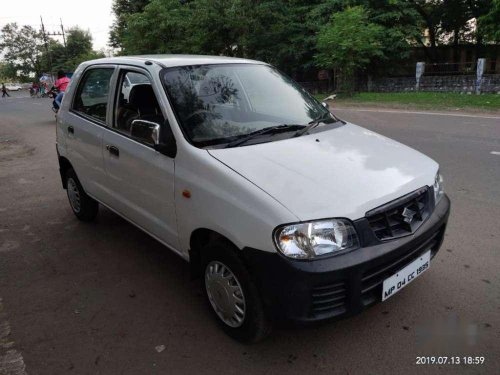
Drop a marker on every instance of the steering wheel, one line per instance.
(96, 108)
(198, 112)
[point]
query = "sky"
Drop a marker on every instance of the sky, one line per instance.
(92, 15)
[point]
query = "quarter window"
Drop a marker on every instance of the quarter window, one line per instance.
(92, 95)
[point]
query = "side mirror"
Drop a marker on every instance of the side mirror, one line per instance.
(145, 131)
(149, 132)
(326, 105)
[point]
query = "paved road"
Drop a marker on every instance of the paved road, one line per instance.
(98, 298)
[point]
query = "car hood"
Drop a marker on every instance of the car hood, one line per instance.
(342, 172)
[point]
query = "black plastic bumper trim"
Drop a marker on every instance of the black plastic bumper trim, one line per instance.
(339, 286)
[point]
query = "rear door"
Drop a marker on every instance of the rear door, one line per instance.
(85, 124)
(141, 179)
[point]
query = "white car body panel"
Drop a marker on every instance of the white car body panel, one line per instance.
(224, 201)
(343, 172)
(140, 185)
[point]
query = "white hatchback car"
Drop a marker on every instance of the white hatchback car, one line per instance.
(286, 211)
(13, 87)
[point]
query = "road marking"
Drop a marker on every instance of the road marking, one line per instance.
(11, 361)
(495, 152)
(415, 112)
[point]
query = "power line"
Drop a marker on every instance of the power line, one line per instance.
(56, 33)
(46, 34)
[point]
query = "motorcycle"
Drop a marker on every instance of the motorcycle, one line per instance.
(52, 93)
(34, 92)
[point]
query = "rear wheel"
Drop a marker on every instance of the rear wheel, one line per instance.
(84, 207)
(232, 295)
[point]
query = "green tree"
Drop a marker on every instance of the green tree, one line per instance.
(478, 9)
(8, 72)
(78, 42)
(79, 48)
(53, 59)
(122, 9)
(285, 32)
(402, 30)
(489, 23)
(222, 26)
(163, 27)
(349, 43)
(277, 31)
(430, 13)
(72, 63)
(293, 45)
(455, 14)
(22, 48)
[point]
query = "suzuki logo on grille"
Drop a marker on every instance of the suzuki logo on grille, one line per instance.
(408, 215)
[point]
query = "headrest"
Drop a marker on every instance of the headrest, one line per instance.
(143, 97)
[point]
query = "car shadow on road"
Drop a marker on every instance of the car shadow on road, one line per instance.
(144, 279)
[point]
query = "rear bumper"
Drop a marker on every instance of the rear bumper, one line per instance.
(343, 285)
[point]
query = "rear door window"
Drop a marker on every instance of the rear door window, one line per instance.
(92, 95)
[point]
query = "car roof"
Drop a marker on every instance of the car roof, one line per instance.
(174, 60)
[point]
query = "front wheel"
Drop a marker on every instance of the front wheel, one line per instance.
(232, 295)
(84, 207)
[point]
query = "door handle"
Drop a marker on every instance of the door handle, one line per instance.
(71, 130)
(113, 150)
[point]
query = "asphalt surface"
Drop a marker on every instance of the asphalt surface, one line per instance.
(99, 298)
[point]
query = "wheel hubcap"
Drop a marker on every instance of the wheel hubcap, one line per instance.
(73, 195)
(225, 294)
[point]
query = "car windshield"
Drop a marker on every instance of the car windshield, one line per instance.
(218, 104)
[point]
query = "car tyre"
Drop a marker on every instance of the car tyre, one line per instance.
(224, 274)
(84, 207)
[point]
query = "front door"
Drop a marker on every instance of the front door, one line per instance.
(141, 179)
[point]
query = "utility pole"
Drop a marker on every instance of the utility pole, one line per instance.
(63, 34)
(59, 33)
(46, 43)
(44, 34)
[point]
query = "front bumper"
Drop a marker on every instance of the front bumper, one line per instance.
(342, 285)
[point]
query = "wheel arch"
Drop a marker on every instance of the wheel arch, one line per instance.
(64, 166)
(200, 238)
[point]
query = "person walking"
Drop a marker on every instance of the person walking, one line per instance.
(4, 91)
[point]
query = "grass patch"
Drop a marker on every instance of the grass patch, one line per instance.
(420, 100)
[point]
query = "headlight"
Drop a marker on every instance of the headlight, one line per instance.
(315, 238)
(438, 188)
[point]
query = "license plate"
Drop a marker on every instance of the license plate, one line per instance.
(403, 277)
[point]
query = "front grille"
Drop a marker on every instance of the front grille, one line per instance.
(329, 299)
(400, 217)
(372, 279)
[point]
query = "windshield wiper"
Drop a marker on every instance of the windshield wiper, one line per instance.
(314, 123)
(269, 130)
